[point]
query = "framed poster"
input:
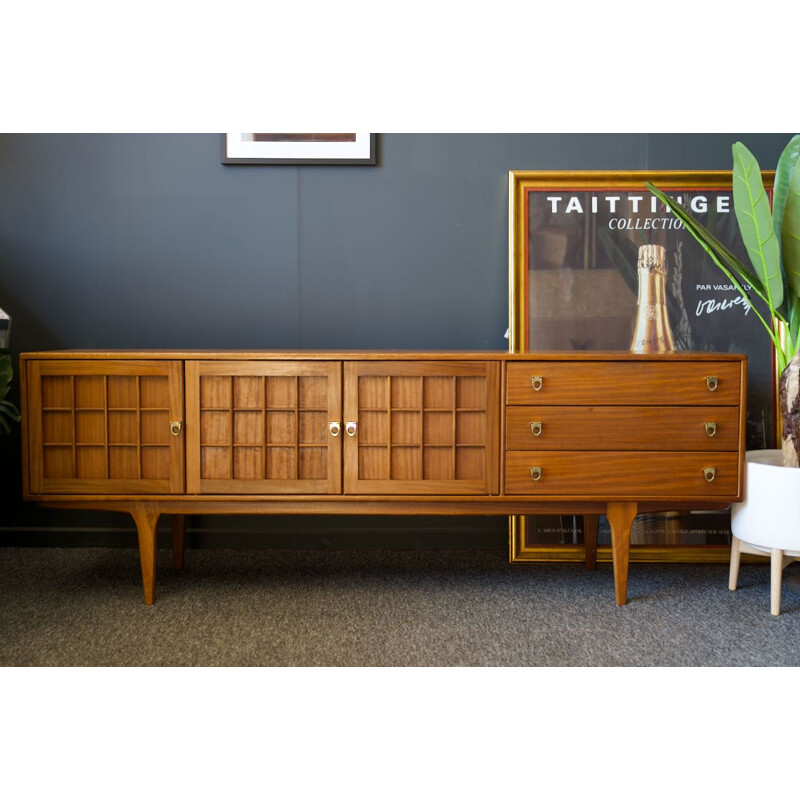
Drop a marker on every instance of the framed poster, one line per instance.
(298, 148)
(574, 239)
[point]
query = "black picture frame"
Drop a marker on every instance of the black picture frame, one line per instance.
(313, 149)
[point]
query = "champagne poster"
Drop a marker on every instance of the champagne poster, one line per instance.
(581, 287)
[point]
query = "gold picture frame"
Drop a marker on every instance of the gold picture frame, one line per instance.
(572, 237)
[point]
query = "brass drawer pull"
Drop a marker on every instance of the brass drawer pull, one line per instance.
(335, 428)
(351, 428)
(711, 428)
(536, 383)
(175, 426)
(712, 381)
(709, 473)
(536, 428)
(536, 473)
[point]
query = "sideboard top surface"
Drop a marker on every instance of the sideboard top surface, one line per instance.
(380, 355)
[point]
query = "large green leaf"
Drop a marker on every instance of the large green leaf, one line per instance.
(783, 176)
(731, 267)
(712, 245)
(751, 204)
(6, 372)
(7, 409)
(790, 234)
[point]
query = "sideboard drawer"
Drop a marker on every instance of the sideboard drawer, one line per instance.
(607, 474)
(613, 383)
(622, 428)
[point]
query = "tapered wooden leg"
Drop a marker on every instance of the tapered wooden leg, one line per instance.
(591, 523)
(620, 518)
(736, 556)
(178, 540)
(146, 518)
(776, 574)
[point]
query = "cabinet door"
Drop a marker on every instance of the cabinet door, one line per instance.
(421, 427)
(105, 427)
(263, 427)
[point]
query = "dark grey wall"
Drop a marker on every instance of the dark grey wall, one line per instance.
(147, 241)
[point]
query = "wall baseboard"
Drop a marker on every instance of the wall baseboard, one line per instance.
(358, 536)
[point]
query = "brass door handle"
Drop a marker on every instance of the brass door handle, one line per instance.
(351, 428)
(536, 383)
(712, 381)
(709, 473)
(335, 428)
(536, 428)
(175, 426)
(536, 473)
(711, 428)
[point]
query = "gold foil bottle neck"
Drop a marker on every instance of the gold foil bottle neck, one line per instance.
(653, 258)
(651, 330)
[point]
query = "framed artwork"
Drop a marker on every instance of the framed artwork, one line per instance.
(574, 239)
(298, 148)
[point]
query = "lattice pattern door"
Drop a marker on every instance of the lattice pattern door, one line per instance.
(422, 427)
(263, 427)
(104, 427)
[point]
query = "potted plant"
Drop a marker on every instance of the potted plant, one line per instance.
(772, 239)
(766, 521)
(8, 411)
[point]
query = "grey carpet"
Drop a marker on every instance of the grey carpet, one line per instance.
(83, 607)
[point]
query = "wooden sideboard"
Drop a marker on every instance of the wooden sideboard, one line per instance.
(253, 432)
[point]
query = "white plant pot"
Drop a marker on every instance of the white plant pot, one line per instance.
(769, 515)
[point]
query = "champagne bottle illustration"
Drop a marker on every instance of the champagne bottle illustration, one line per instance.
(651, 331)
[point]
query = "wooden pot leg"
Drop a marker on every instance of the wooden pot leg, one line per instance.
(776, 575)
(591, 523)
(620, 518)
(736, 555)
(146, 518)
(178, 540)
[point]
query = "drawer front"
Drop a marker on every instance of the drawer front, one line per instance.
(614, 383)
(642, 474)
(622, 428)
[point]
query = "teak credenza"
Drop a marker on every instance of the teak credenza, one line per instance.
(250, 432)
